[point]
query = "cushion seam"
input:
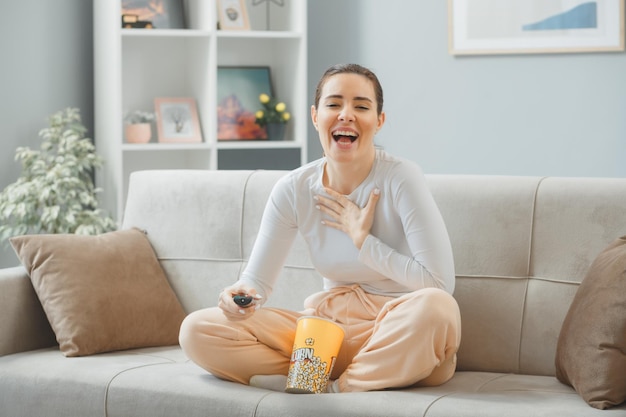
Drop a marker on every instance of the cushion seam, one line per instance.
(243, 209)
(153, 355)
(478, 389)
(436, 400)
(553, 391)
(531, 237)
(106, 389)
(532, 226)
(256, 408)
(521, 328)
(231, 260)
(559, 281)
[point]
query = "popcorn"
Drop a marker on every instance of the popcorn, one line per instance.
(309, 373)
(315, 349)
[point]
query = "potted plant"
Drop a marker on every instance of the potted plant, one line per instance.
(55, 193)
(138, 128)
(273, 116)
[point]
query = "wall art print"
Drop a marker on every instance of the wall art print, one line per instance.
(535, 26)
(238, 91)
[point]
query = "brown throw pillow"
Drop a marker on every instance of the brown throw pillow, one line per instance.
(591, 349)
(101, 293)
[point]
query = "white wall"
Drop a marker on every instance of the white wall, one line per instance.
(46, 66)
(558, 114)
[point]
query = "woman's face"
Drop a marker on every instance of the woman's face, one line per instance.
(346, 117)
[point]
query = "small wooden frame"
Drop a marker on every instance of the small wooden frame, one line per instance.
(177, 120)
(232, 15)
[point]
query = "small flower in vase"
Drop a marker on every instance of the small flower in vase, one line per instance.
(273, 116)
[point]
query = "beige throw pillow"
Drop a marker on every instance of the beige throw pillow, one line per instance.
(591, 349)
(101, 293)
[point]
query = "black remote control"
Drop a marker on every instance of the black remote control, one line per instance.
(242, 300)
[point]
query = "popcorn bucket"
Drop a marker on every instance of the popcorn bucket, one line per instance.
(315, 350)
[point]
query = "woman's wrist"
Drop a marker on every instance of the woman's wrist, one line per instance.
(360, 240)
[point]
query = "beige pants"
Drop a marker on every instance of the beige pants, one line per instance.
(389, 342)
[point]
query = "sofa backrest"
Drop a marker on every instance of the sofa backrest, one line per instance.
(521, 246)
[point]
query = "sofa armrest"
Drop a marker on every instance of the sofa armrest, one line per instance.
(23, 323)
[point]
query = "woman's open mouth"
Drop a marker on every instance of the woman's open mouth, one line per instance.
(345, 137)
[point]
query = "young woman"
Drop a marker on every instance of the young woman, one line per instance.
(374, 234)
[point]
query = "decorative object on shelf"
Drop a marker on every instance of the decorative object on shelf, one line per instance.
(177, 120)
(238, 91)
(131, 21)
(138, 133)
(275, 131)
(55, 193)
(148, 14)
(232, 15)
(535, 26)
(138, 128)
(280, 3)
(273, 117)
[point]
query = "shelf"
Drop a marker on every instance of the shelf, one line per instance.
(226, 144)
(248, 34)
(165, 147)
(259, 34)
(150, 33)
(132, 67)
(257, 144)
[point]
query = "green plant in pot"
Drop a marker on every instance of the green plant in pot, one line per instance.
(273, 116)
(138, 126)
(55, 193)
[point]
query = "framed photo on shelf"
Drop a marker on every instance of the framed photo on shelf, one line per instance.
(232, 15)
(153, 14)
(177, 120)
(480, 27)
(238, 91)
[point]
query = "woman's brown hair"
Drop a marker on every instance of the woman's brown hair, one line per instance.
(351, 69)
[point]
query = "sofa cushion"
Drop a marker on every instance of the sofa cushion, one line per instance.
(101, 293)
(591, 347)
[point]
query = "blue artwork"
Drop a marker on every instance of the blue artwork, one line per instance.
(583, 16)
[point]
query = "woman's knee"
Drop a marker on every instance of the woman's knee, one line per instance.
(188, 329)
(434, 307)
(443, 309)
(195, 330)
(429, 300)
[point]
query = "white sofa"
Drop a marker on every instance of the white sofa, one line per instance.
(522, 245)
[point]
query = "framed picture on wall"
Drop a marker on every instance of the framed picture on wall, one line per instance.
(478, 27)
(238, 91)
(232, 15)
(153, 14)
(177, 120)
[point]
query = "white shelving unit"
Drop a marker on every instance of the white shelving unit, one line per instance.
(133, 66)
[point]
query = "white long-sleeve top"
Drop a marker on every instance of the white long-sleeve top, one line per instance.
(408, 247)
